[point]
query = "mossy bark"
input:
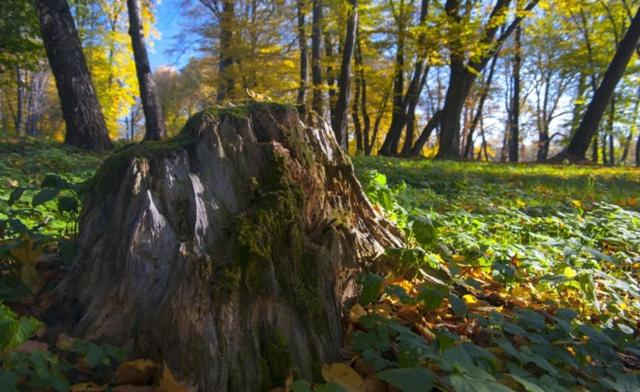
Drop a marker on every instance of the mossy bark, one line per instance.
(228, 252)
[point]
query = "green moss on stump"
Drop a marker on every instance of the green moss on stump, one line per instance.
(276, 363)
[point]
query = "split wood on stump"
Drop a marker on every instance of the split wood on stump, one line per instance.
(228, 252)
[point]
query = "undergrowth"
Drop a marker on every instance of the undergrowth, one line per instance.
(515, 277)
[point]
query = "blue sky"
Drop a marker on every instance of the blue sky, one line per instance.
(169, 22)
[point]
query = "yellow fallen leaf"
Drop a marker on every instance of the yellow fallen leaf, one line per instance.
(383, 310)
(521, 292)
(469, 299)
(343, 375)
(569, 272)
(168, 382)
(356, 312)
(26, 252)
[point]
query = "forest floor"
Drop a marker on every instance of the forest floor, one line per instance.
(515, 277)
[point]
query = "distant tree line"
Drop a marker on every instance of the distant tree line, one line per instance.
(476, 79)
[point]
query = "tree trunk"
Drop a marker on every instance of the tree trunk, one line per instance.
(366, 120)
(304, 61)
(460, 83)
(468, 152)
(19, 99)
(153, 120)
(612, 113)
(80, 108)
(229, 252)
(331, 77)
(462, 75)
(355, 115)
(593, 116)
(391, 140)
(514, 131)
(340, 119)
(594, 149)
(226, 77)
(316, 66)
(638, 151)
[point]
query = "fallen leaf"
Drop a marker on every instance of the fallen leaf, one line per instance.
(356, 312)
(136, 372)
(32, 345)
(30, 278)
(64, 341)
(469, 299)
(168, 382)
(343, 375)
(26, 252)
(88, 387)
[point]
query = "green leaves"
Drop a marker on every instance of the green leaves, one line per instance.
(417, 379)
(371, 286)
(432, 296)
(15, 330)
(423, 229)
(44, 196)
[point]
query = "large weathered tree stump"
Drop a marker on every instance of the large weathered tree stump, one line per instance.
(229, 251)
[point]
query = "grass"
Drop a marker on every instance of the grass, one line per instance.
(514, 276)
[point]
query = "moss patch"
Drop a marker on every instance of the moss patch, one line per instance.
(276, 361)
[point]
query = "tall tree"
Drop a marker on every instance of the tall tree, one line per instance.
(577, 148)
(226, 84)
(401, 13)
(153, 120)
(344, 80)
(80, 108)
(514, 122)
(304, 56)
(316, 66)
(463, 73)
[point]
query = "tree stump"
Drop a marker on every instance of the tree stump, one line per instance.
(229, 251)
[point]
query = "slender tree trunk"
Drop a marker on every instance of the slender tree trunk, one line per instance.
(638, 151)
(418, 81)
(362, 83)
(632, 129)
(514, 132)
(612, 113)
(413, 97)
(390, 144)
(484, 141)
(153, 120)
(432, 124)
(331, 77)
(355, 115)
(603, 148)
(577, 107)
(80, 108)
(340, 119)
(594, 149)
(19, 99)
(226, 77)
(316, 67)
(302, 43)
(468, 152)
(589, 125)
(378, 120)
